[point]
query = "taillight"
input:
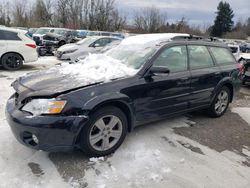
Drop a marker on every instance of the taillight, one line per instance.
(241, 68)
(31, 45)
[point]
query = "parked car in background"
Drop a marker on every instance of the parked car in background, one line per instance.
(103, 50)
(92, 105)
(245, 67)
(235, 50)
(82, 33)
(105, 33)
(16, 48)
(88, 45)
(245, 47)
(37, 36)
(59, 37)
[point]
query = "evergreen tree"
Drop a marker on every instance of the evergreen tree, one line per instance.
(224, 20)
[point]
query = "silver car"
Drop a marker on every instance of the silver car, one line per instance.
(88, 45)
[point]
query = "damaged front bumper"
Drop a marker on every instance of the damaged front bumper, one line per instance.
(48, 133)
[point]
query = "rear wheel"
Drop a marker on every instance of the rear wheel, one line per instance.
(220, 103)
(12, 61)
(104, 133)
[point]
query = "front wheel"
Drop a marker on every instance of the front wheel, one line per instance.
(105, 132)
(220, 103)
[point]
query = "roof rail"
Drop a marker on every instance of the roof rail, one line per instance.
(196, 37)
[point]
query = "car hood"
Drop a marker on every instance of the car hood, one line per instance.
(68, 47)
(94, 69)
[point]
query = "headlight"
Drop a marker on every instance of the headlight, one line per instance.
(44, 106)
(69, 51)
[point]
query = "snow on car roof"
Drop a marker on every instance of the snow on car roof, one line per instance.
(147, 38)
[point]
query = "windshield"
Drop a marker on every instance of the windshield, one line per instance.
(133, 56)
(85, 41)
(42, 31)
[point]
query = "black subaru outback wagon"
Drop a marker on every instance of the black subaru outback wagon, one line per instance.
(169, 74)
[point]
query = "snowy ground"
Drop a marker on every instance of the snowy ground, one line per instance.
(165, 154)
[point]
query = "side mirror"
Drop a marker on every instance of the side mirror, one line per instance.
(159, 70)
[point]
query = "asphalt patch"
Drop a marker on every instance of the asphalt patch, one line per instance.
(190, 147)
(36, 169)
(229, 132)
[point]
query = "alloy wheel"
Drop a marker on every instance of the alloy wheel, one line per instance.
(221, 102)
(105, 133)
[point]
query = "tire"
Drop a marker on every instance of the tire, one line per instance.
(101, 129)
(42, 51)
(220, 104)
(12, 61)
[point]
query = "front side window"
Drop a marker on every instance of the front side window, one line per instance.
(222, 55)
(102, 42)
(8, 35)
(199, 57)
(174, 58)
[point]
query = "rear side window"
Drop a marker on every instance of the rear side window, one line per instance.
(222, 55)
(199, 57)
(8, 35)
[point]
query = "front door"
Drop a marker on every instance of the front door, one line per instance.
(164, 94)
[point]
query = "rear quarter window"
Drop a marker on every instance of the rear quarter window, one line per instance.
(222, 55)
(8, 35)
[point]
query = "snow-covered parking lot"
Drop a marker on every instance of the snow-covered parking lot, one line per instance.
(186, 151)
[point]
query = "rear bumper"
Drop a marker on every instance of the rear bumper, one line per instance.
(30, 56)
(54, 133)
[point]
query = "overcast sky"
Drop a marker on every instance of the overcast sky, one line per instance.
(196, 11)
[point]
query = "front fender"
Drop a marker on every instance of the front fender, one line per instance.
(118, 99)
(104, 98)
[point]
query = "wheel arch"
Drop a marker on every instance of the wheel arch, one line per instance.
(123, 106)
(9, 53)
(227, 83)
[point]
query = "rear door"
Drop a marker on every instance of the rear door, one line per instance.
(205, 75)
(15, 43)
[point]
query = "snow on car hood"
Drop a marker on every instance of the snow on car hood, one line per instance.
(94, 69)
(97, 68)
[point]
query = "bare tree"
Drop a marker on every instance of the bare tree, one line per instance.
(75, 13)
(41, 14)
(149, 20)
(62, 10)
(102, 15)
(20, 14)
